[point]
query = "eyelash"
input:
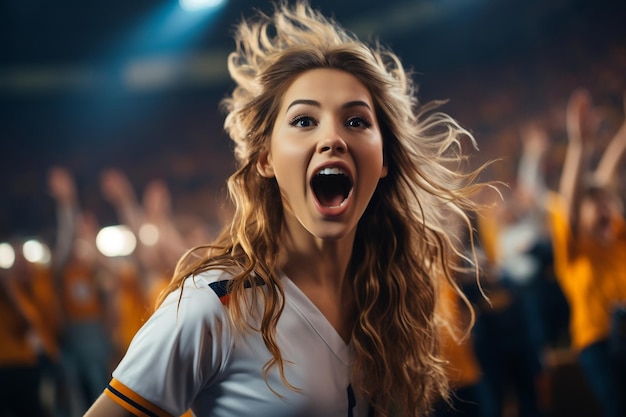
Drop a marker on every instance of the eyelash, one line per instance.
(362, 120)
(301, 117)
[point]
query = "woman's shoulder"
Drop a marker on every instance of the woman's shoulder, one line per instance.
(199, 293)
(218, 282)
(214, 281)
(208, 279)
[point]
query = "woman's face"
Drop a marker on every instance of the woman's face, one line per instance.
(596, 214)
(326, 153)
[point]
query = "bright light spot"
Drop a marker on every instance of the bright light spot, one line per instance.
(36, 252)
(116, 241)
(195, 5)
(7, 256)
(155, 72)
(148, 234)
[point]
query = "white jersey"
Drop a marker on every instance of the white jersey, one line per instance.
(188, 356)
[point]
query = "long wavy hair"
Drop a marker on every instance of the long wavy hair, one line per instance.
(403, 245)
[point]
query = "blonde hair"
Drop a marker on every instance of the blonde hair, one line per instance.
(401, 249)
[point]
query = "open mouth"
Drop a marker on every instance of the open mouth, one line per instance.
(331, 186)
(604, 222)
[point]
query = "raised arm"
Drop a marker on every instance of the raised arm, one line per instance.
(162, 255)
(607, 167)
(118, 191)
(530, 174)
(62, 188)
(581, 123)
(157, 203)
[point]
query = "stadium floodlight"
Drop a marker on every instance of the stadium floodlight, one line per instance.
(196, 5)
(36, 252)
(114, 241)
(148, 234)
(7, 255)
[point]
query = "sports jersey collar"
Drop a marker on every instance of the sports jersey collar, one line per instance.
(314, 317)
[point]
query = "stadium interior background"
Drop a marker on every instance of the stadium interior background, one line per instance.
(136, 85)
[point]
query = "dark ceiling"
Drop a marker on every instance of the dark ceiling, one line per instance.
(432, 33)
(56, 51)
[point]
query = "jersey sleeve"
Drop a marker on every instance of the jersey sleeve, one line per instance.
(180, 349)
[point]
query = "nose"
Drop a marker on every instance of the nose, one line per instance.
(332, 141)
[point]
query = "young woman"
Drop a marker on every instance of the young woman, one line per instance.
(318, 297)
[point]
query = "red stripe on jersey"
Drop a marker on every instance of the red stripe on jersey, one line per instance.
(224, 299)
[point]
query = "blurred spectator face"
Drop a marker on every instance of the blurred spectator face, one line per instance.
(598, 209)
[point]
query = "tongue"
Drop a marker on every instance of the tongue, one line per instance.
(329, 199)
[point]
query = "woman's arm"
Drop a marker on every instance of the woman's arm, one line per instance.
(63, 190)
(157, 204)
(581, 124)
(106, 407)
(607, 167)
(117, 190)
(530, 170)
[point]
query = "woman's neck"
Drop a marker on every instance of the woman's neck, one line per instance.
(319, 269)
(308, 259)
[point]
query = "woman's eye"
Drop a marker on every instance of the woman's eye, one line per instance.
(302, 121)
(358, 122)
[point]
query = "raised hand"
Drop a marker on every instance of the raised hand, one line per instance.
(61, 185)
(613, 154)
(156, 200)
(116, 187)
(582, 120)
(582, 123)
(534, 139)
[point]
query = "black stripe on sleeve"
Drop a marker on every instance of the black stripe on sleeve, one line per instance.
(131, 402)
(222, 288)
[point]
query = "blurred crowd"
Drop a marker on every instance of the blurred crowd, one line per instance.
(68, 317)
(549, 337)
(549, 292)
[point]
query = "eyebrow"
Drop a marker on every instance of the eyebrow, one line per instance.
(349, 104)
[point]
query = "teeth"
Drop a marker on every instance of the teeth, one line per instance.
(331, 171)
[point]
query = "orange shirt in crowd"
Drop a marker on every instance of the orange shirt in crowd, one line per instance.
(463, 368)
(488, 228)
(131, 304)
(156, 288)
(46, 302)
(29, 321)
(15, 347)
(82, 298)
(592, 276)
